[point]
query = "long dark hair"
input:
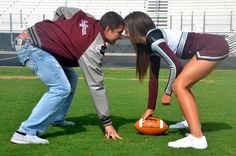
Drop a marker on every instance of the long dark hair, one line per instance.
(139, 23)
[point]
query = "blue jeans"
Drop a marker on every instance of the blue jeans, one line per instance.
(62, 81)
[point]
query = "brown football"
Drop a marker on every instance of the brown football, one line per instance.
(151, 126)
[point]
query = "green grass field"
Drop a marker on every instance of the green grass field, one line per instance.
(216, 102)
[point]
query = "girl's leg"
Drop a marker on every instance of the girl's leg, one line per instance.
(194, 71)
(183, 123)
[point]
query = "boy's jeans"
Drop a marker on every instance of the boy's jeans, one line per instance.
(54, 104)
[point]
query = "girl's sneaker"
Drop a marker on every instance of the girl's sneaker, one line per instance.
(179, 125)
(189, 142)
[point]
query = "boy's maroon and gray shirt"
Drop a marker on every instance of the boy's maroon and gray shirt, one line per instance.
(76, 38)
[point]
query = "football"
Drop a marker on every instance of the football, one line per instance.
(151, 126)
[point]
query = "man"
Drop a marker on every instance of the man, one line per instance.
(50, 49)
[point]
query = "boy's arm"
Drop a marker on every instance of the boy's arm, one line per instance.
(67, 13)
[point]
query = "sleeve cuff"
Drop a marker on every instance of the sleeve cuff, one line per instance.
(168, 93)
(106, 120)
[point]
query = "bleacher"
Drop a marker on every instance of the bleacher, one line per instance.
(218, 16)
(192, 15)
(187, 15)
(158, 11)
(33, 11)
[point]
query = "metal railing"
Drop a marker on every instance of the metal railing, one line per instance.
(16, 22)
(191, 21)
(219, 23)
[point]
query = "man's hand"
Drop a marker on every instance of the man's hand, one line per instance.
(111, 133)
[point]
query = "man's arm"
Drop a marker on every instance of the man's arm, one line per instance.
(90, 65)
(67, 13)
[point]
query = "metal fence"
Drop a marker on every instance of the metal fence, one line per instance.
(185, 21)
(17, 22)
(209, 22)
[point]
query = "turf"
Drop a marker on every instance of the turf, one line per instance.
(127, 97)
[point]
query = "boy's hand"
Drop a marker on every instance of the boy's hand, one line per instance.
(111, 133)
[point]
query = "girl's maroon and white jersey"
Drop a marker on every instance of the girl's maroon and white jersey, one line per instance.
(171, 46)
(172, 38)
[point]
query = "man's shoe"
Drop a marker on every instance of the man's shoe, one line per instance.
(189, 142)
(22, 138)
(64, 123)
(179, 125)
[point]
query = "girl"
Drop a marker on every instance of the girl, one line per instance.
(204, 52)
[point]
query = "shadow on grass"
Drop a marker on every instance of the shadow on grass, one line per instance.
(206, 127)
(90, 119)
(215, 126)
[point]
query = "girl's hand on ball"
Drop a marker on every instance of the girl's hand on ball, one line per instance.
(148, 113)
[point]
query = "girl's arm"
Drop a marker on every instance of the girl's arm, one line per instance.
(153, 81)
(160, 48)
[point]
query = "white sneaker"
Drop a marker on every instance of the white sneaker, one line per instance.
(64, 124)
(189, 142)
(179, 125)
(21, 138)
